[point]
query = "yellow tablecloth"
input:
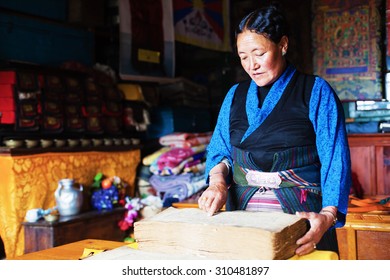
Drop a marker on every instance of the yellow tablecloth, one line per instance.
(29, 181)
(317, 255)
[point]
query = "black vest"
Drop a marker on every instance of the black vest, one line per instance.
(287, 126)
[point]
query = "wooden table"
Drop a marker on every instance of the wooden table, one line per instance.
(188, 203)
(71, 251)
(191, 202)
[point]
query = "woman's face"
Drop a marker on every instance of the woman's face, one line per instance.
(261, 58)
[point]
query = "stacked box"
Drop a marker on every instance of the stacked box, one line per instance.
(53, 91)
(7, 104)
(20, 99)
(58, 103)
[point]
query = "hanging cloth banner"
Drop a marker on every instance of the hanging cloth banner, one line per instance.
(203, 23)
(146, 39)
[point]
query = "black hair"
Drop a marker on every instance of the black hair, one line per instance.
(269, 21)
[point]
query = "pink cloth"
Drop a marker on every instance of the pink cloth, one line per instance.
(185, 140)
(175, 156)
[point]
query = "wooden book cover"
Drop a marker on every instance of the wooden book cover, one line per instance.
(226, 235)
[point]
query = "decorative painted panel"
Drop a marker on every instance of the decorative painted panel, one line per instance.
(346, 47)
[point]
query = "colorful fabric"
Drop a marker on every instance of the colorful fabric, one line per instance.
(300, 192)
(264, 200)
(173, 161)
(185, 140)
(295, 175)
(149, 159)
(295, 199)
(179, 186)
(346, 45)
(203, 23)
(178, 157)
(199, 167)
(166, 171)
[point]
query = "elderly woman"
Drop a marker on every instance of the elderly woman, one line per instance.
(280, 142)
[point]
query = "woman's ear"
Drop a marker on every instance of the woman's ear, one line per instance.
(284, 44)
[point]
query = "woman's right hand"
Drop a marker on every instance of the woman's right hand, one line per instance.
(213, 198)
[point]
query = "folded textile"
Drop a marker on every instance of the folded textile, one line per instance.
(168, 170)
(148, 160)
(179, 186)
(197, 168)
(185, 140)
(177, 136)
(180, 168)
(176, 156)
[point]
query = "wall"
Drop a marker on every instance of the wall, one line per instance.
(40, 34)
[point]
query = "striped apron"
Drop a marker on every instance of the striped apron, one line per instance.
(298, 188)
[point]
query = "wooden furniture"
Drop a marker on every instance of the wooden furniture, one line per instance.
(191, 202)
(365, 236)
(29, 181)
(370, 159)
(92, 224)
(71, 251)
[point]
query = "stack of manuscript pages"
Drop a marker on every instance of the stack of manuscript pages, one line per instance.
(226, 235)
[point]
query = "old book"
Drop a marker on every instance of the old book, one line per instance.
(226, 235)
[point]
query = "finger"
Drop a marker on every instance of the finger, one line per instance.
(307, 238)
(201, 202)
(213, 208)
(208, 204)
(306, 248)
(303, 215)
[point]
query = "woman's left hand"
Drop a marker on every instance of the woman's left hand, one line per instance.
(319, 224)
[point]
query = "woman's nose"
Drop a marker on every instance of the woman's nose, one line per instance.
(254, 64)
